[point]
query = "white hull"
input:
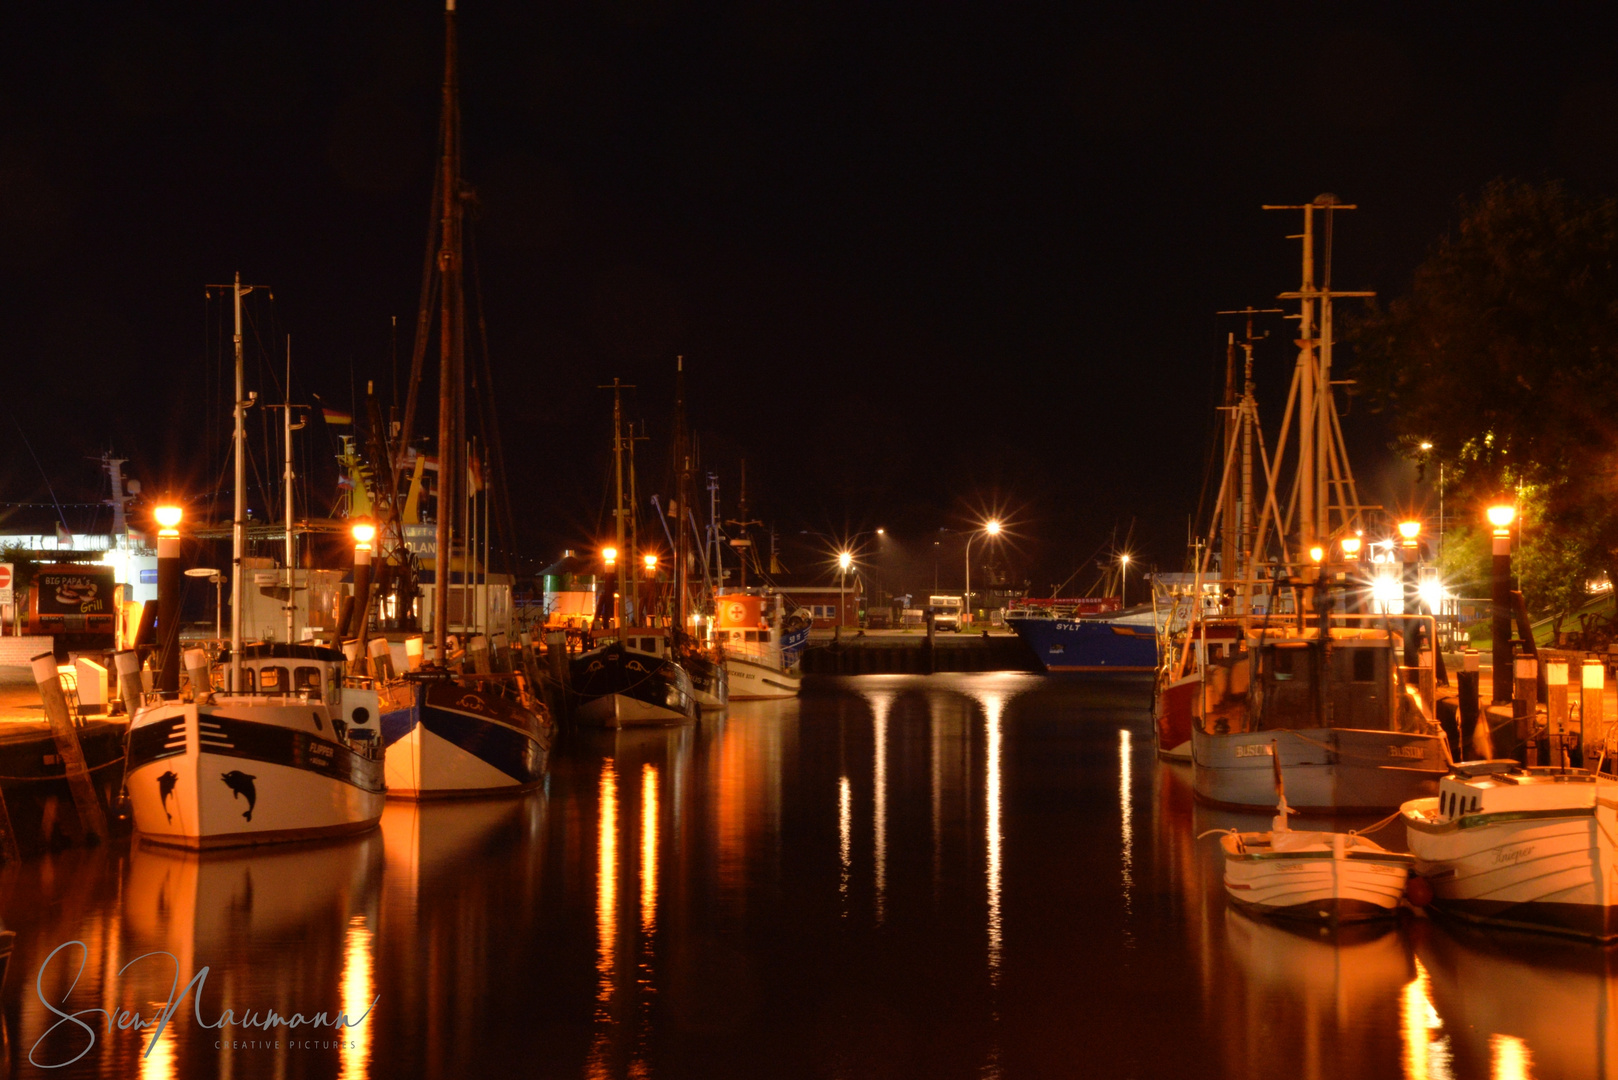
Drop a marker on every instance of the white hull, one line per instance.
(1546, 869)
(1325, 876)
(424, 765)
(753, 680)
(1328, 770)
(217, 797)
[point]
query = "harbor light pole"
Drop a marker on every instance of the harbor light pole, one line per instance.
(364, 532)
(991, 528)
(1500, 517)
(1123, 580)
(845, 559)
(168, 598)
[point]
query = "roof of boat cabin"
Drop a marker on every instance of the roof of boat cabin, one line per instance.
(1340, 635)
(281, 650)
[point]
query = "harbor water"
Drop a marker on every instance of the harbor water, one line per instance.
(959, 875)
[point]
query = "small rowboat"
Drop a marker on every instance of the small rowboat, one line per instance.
(1321, 876)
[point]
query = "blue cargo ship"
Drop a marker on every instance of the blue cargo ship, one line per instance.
(1089, 636)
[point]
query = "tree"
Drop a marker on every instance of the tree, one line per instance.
(1504, 355)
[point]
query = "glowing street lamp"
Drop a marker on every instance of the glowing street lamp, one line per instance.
(364, 532)
(991, 528)
(845, 559)
(1123, 579)
(168, 597)
(1351, 548)
(1317, 554)
(610, 556)
(650, 560)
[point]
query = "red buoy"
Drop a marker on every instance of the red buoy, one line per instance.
(1419, 891)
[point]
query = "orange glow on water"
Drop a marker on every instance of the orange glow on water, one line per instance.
(992, 705)
(845, 833)
(359, 990)
(880, 704)
(648, 849)
(1426, 1052)
(1509, 1058)
(607, 883)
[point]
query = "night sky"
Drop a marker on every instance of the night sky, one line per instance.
(924, 261)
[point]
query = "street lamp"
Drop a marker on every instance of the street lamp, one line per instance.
(364, 532)
(845, 559)
(1123, 580)
(609, 555)
(168, 597)
(992, 528)
(1500, 516)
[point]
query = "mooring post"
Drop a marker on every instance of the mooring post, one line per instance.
(477, 650)
(1500, 580)
(1592, 709)
(127, 664)
(1467, 691)
(1525, 706)
(1556, 724)
(196, 672)
(381, 659)
(92, 822)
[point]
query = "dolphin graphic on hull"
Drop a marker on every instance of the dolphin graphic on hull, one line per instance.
(241, 785)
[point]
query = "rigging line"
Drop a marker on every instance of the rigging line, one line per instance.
(504, 520)
(52, 491)
(424, 310)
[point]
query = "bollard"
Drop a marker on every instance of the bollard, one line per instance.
(1592, 709)
(477, 651)
(92, 822)
(1556, 725)
(127, 664)
(196, 670)
(1466, 682)
(381, 659)
(413, 652)
(556, 655)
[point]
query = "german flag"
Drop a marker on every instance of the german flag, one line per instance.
(333, 416)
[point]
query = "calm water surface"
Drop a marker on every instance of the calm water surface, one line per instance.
(947, 876)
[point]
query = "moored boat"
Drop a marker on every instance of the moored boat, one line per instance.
(763, 645)
(1531, 848)
(1087, 635)
(293, 755)
(1322, 876)
(629, 682)
(464, 735)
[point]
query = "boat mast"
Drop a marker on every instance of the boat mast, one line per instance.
(291, 543)
(238, 527)
(450, 338)
(682, 496)
(617, 389)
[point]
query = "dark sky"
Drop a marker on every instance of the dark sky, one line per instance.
(924, 260)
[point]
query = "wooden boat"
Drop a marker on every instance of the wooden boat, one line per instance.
(1323, 876)
(630, 682)
(455, 735)
(1531, 848)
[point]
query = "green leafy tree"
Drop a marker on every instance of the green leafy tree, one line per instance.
(1504, 355)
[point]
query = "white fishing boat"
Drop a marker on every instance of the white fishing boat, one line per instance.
(1323, 876)
(1533, 848)
(763, 645)
(292, 755)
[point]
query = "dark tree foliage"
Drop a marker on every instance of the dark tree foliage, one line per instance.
(1504, 355)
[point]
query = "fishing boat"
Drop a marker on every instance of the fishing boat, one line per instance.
(291, 755)
(1328, 877)
(1534, 848)
(629, 682)
(455, 729)
(1280, 658)
(763, 644)
(1090, 635)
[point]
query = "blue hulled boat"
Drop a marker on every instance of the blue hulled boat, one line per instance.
(1087, 636)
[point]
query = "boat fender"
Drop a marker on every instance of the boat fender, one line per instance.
(1419, 891)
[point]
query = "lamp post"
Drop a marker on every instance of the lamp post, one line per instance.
(364, 533)
(610, 556)
(1123, 580)
(168, 597)
(845, 559)
(1500, 517)
(1410, 550)
(990, 528)
(649, 560)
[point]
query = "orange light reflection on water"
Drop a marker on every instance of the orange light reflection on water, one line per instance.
(648, 849)
(992, 705)
(359, 990)
(1426, 1053)
(845, 834)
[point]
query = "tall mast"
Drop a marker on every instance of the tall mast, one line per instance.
(635, 610)
(291, 544)
(1229, 569)
(682, 497)
(238, 528)
(450, 337)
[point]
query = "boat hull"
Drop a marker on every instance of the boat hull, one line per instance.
(1337, 884)
(1090, 646)
(1546, 870)
(755, 680)
(619, 687)
(240, 774)
(710, 682)
(455, 741)
(1328, 770)
(1174, 715)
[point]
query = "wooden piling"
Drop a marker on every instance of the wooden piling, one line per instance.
(92, 822)
(1556, 711)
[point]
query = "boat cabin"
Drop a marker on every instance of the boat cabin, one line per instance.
(308, 672)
